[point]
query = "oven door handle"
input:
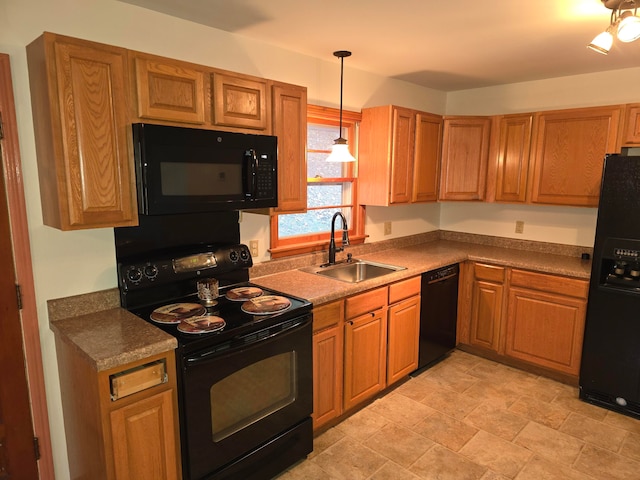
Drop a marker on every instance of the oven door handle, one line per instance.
(245, 341)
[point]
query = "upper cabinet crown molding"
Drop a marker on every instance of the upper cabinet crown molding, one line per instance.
(80, 102)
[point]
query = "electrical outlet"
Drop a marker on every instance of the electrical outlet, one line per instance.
(387, 228)
(519, 226)
(253, 246)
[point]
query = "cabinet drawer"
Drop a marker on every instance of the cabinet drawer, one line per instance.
(404, 289)
(572, 287)
(137, 379)
(327, 315)
(366, 302)
(488, 272)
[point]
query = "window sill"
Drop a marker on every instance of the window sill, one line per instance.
(310, 247)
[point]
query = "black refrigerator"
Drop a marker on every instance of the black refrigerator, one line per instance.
(610, 369)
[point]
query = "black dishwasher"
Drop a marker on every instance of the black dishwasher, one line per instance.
(438, 314)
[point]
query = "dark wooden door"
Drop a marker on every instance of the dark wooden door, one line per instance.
(17, 450)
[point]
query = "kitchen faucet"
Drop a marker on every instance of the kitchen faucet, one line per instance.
(332, 242)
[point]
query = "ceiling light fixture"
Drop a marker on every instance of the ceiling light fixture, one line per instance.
(624, 23)
(340, 149)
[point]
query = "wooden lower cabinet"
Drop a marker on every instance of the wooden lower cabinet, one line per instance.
(403, 330)
(121, 423)
(486, 306)
(545, 320)
(365, 359)
(530, 318)
(328, 347)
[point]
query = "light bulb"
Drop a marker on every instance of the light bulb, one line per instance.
(602, 43)
(629, 27)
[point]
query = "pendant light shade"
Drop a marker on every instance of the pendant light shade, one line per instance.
(623, 25)
(340, 149)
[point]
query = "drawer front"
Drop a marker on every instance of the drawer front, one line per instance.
(571, 287)
(488, 272)
(137, 379)
(407, 288)
(366, 302)
(327, 315)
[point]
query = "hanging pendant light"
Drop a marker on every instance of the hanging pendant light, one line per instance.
(340, 149)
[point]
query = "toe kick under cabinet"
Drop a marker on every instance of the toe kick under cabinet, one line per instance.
(120, 423)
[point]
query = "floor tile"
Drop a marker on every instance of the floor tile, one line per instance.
(450, 402)
(570, 401)
(399, 444)
(539, 468)
(550, 443)
(446, 430)
(400, 409)
(349, 460)
(362, 425)
(605, 465)
(496, 454)
(497, 393)
(440, 463)
(595, 432)
(325, 440)
(392, 471)
(541, 412)
(497, 420)
(451, 377)
(631, 446)
(622, 421)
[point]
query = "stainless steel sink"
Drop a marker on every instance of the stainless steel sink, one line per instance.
(356, 270)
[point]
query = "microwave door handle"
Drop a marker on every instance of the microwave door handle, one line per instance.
(252, 172)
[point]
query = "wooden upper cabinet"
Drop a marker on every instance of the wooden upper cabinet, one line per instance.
(290, 126)
(465, 152)
(631, 129)
(426, 162)
(398, 156)
(81, 120)
(509, 158)
(241, 101)
(568, 154)
(169, 90)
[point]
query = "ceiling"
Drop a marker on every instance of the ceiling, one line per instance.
(445, 45)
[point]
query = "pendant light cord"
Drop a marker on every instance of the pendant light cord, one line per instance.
(341, 54)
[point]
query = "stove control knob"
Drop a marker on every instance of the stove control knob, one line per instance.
(244, 255)
(233, 255)
(134, 274)
(151, 272)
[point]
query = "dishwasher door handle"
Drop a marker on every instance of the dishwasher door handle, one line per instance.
(442, 279)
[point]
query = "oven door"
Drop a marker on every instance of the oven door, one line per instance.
(241, 397)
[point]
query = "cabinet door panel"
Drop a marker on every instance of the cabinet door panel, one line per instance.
(426, 163)
(404, 332)
(465, 152)
(402, 156)
(80, 102)
(169, 90)
(327, 374)
(631, 132)
(512, 158)
(486, 314)
(569, 154)
(545, 329)
(365, 357)
(290, 126)
(143, 439)
(240, 102)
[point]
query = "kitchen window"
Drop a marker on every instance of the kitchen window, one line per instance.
(331, 188)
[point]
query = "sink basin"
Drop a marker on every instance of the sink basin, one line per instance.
(356, 271)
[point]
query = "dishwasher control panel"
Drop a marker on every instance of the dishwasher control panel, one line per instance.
(444, 272)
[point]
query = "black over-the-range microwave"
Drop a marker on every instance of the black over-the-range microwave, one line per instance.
(188, 170)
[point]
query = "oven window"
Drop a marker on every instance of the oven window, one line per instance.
(252, 393)
(184, 178)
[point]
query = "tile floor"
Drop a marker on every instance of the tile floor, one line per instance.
(471, 418)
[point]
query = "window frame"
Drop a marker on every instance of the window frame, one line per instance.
(299, 244)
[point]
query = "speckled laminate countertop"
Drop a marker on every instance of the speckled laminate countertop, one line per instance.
(112, 337)
(419, 259)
